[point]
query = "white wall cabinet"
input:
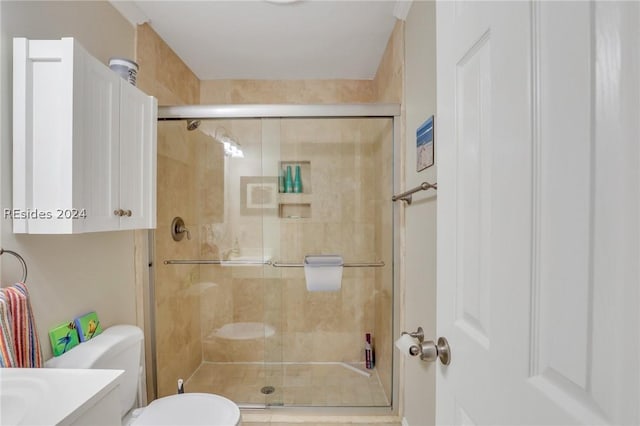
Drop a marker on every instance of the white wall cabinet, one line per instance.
(84, 148)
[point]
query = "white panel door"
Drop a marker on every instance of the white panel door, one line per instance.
(538, 212)
(138, 122)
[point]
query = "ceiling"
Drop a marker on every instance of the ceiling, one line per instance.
(273, 40)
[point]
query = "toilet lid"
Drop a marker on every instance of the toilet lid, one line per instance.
(190, 409)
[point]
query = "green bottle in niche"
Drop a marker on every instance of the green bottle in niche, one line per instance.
(281, 181)
(297, 182)
(288, 181)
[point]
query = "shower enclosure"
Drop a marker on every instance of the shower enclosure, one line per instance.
(233, 315)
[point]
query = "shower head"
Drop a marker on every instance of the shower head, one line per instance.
(193, 124)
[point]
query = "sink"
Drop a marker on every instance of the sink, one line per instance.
(56, 396)
(18, 396)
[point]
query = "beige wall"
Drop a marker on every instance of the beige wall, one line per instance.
(420, 236)
(177, 310)
(162, 73)
(284, 92)
(68, 275)
(389, 79)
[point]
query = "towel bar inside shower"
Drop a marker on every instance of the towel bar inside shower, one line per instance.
(217, 262)
(346, 265)
(266, 262)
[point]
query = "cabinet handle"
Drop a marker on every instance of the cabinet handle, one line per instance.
(127, 213)
(118, 212)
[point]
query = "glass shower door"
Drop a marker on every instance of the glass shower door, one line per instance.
(338, 204)
(215, 326)
(240, 323)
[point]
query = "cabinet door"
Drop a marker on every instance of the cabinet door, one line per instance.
(43, 73)
(138, 121)
(96, 147)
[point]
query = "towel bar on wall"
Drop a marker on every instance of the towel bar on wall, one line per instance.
(406, 196)
(346, 265)
(22, 262)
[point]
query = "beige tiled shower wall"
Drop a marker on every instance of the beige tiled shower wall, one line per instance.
(286, 92)
(162, 73)
(177, 300)
(179, 348)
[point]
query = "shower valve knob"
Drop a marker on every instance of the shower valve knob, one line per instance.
(178, 229)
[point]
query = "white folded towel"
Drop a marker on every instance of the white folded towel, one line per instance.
(323, 272)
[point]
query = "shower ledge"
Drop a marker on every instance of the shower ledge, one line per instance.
(251, 260)
(243, 331)
(256, 255)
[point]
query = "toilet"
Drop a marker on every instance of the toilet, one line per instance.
(120, 348)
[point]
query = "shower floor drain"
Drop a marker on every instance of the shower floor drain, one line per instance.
(268, 390)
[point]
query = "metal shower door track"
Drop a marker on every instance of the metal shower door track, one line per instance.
(181, 112)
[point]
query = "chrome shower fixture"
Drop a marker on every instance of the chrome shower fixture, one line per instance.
(193, 124)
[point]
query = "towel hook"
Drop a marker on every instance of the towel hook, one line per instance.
(22, 262)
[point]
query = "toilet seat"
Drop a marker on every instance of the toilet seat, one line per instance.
(190, 409)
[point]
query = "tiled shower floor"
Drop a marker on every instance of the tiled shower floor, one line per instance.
(295, 384)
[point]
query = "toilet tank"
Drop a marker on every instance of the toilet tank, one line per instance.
(119, 348)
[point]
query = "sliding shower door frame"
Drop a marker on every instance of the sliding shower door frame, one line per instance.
(182, 112)
(380, 110)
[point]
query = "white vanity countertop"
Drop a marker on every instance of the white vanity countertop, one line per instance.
(51, 396)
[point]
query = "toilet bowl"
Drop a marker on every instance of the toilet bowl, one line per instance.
(189, 409)
(120, 347)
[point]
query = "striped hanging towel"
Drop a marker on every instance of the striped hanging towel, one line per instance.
(25, 335)
(7, 348)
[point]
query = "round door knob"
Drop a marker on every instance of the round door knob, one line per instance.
(430, 351)
(127, 213)
(118, 212)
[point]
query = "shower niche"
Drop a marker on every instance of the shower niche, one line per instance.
(306, 348)
(293, 205)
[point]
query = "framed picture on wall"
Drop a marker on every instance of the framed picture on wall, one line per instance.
(425, 144)
(258, 195)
